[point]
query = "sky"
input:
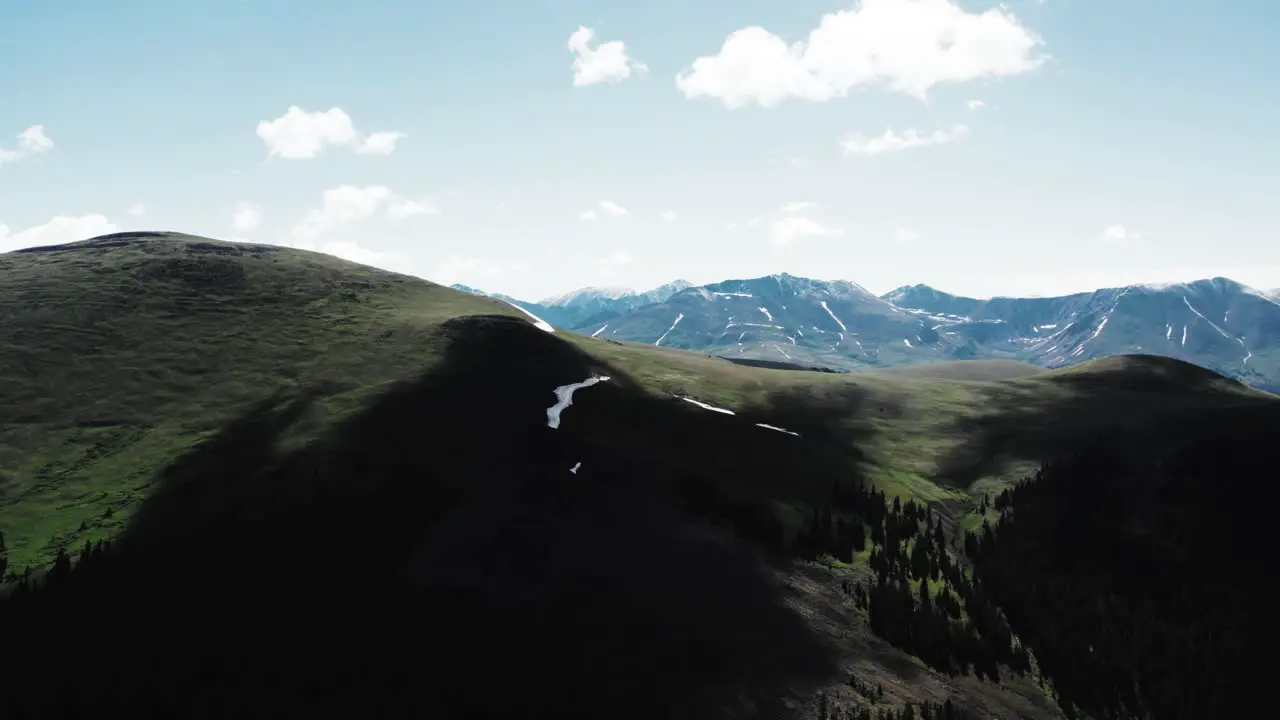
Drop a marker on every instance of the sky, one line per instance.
(530, 147)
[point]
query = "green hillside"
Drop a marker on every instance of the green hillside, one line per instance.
(297, 437)
(122, 353)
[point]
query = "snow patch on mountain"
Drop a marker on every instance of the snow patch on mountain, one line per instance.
(776, 429)
(679, 317)
(564, 398)
(833, 316)
(1202, 317)
(705, 406)
(537, 321)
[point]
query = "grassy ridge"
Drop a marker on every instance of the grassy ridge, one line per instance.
(122, 354)
(118, 356)
(373, 446)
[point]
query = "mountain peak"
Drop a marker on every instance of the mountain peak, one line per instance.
(587, 294)
(918, 295)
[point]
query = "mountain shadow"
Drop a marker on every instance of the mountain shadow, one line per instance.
(1133, 579)
(1152, 402)
(430, 555)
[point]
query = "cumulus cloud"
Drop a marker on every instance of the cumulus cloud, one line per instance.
(799, 206)
(301, 135)
(59, 230)
(892, 141)
(357, 253)
(795, 228)
(340, 206)
(137, 210)
(976, 104)
(613, 208)
(908, 46)
(348, 204)
(379, 143)
(606, 63)
(1120, 235)
(246, 217)
(31, 141)
(607, 207)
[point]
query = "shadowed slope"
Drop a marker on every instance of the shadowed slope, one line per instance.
(1150, 401)
(419, 546)
(118, 354)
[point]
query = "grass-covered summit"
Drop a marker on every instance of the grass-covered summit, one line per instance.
(118, 354)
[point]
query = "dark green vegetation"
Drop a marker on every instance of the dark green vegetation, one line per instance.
(330, 488)
(1134, 580)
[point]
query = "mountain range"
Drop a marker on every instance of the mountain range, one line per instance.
(1216, 323)
(399, 496)
(586, 305)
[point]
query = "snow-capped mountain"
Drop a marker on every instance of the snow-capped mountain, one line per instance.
(1217, 323)
(778, 317)
(590, 303)
(586, 304)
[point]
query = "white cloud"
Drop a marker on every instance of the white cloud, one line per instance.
(891, 141)
(59, 230)
(348, 204)
(379, 143)
(612, 208)
(31, 141)
(137, 210)
(908, 46)
(246, 217)
(799, 206)
(357, 253)
(976, 104)
(608, 207)
(342, 205)
(1120, 236)
(607, 62)
(404, 208)
(905, 234)
(669, 216)
(300, 135)
(790, 230)
(613, 261)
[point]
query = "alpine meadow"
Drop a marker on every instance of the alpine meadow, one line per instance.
(883, 360)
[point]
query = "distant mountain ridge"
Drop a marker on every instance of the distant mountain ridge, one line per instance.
(1217, 323)
(586, 304)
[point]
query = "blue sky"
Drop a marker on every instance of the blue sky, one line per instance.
(1111, 142)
